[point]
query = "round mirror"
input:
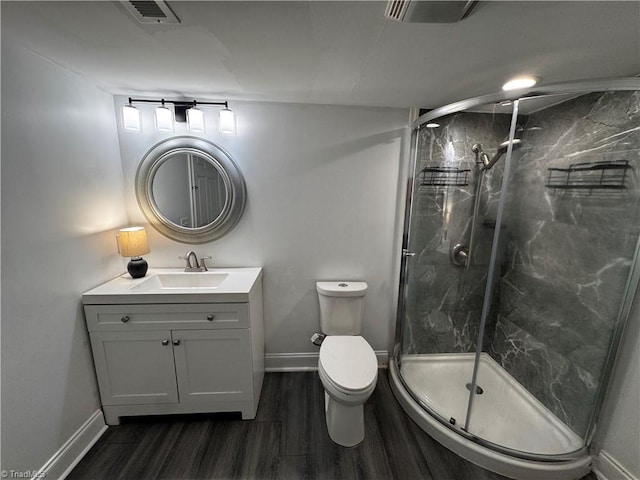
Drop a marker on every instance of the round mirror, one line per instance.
(190, 190)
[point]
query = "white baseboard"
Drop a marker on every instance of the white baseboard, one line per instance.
(68, 456)
(295, 362)
(607, 468)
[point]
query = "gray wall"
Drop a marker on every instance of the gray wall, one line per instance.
(322, 184)
(569, 253)
(62, 197)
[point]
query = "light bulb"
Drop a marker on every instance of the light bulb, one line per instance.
(130, 118)
(520, 82)
(195, 120)
(164, 119)
(227, 122)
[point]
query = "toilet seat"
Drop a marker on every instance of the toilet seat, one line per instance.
(349, 363)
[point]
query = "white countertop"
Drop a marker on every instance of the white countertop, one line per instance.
(236, 288)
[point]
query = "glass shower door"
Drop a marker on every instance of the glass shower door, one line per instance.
(445, 271)
(568, 236)
(496, 411)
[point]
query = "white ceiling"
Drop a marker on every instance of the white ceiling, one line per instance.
(328, 52)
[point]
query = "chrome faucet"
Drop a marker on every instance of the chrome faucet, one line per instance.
(195, 265)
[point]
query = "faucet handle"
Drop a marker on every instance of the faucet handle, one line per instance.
(204, 264)
(186, 259)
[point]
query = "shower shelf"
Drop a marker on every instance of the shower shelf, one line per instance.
(444, 177)
(590, 176)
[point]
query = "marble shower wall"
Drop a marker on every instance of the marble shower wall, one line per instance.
(444, 302)
(564, 254)
(569, 253)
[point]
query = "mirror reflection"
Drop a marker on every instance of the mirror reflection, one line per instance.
(189, 190)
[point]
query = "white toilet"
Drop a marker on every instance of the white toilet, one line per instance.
(347, 366)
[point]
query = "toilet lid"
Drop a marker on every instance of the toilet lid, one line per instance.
(349, 361)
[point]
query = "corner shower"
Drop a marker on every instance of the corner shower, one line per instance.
(520, 265)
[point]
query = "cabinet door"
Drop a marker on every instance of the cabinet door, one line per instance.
(213, 365)
(134, 367)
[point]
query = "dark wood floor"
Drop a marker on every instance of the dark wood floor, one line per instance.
(287, 440)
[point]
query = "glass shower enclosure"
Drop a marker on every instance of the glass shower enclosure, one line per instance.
(520, 263)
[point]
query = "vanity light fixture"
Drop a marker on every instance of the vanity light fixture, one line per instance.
(131, 118)
(227, 123)
(195, 119)
(164, 118)
(133, 243)
(524, 81)
(184, 111)
(432, 125)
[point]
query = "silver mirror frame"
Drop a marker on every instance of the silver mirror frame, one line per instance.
(236, 194)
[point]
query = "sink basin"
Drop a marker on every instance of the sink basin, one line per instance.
(182, 280)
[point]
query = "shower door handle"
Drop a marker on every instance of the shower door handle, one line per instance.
(407, 253)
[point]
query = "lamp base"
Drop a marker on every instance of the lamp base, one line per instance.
(137, 267)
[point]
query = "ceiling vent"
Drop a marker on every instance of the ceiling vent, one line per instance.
(151, 11)
(419, 11)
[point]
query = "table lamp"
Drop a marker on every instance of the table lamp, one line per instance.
(132, 242)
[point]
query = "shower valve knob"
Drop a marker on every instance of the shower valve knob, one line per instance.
(459, 255)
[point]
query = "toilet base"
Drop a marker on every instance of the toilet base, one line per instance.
(345, 423)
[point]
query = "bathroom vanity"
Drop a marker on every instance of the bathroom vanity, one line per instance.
(177, 342)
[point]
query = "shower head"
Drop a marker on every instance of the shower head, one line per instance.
(481, 157)
(502, 149)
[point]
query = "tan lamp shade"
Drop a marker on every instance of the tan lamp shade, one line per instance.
(132, 242)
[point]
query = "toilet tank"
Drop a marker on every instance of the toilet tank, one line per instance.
(341, 307)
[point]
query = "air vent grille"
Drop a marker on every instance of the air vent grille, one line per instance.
(396, 9)
(147, 11)
(429, 11)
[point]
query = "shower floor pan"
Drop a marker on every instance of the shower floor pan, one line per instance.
(505, 413)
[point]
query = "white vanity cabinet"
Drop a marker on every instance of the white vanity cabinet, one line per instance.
(162, 358)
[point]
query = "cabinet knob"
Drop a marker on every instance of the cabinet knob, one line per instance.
(210, 317)
(125, 319)
(165, 342)
(176, 342)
